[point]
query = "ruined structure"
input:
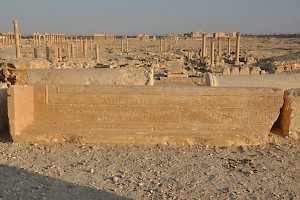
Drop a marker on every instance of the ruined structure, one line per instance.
(147, 115)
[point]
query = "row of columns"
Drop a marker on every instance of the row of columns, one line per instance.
(9, 38)
(237, 57)
(71, 52)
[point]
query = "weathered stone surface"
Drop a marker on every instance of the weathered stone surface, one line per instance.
(30, 64)
(3, 108)
(142, 114)
(282, 81)
(288, 122)
(99, 76)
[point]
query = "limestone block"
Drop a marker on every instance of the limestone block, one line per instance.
(244, 70)
(3, 108)
(283, 81)
(235, 71)
(288, 122)
(142, 114)
(226, 71)
(255, 70)
(91, 76)
(23, 64)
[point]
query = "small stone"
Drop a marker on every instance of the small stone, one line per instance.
(141, 184)
(115, 179)
(92, 171)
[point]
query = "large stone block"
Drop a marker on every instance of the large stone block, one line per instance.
(3, 109)
(288, 122)
(142, 114)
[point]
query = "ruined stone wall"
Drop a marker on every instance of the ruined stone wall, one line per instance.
(285, 66)
(141, 114)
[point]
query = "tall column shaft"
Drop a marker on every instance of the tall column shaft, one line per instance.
(219, 48)
(17, 39)
(203, 45)
(212, 54)
(229, 46)
(97, 53)
(84, 49)
(122, 45)
(238, 41)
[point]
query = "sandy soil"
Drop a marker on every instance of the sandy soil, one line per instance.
(76, 171)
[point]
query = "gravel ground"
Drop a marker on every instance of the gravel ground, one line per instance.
(77, 171)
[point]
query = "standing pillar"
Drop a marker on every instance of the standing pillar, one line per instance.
(72, 50)
(48, 53)
(3, 35)
(127, 45)
(161, 45)
(33, 38)
(219, 49)
(69, 50)
(212, 61)
(76, 43)
(56, 55)
(171, 44)
(122, 45)
(59, 54)
(17, 39)
(238, 40)
(97, 53)
(35, 52)
(84, 48)
(203, 45)
(229, 46)
(91, 43)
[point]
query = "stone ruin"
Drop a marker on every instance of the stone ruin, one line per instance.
(160, 94)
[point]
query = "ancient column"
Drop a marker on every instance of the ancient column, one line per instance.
(59, 54)
(171, 44)
(35, 52)
(161, 45)
(97, 53)
(84, 49)
(127, 45)
(203, 45)
(212, 61)
(48, 53)
(219, 48)
(69, 50)
(72, 51)
(229, 46)
(122, 45)
(17, 39)
(33, 38)
(3, 38)
(56, 54)
(91, 43)
(238, 40)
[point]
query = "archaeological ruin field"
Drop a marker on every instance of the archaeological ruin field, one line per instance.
(194, 116)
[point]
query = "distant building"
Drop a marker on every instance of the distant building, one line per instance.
(172, 36)
(232, 34)
(142, 37)
(219, 35)
(104, 38)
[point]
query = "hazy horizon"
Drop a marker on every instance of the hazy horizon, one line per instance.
(153, 17)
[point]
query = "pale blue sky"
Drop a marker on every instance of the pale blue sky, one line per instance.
(150, 16)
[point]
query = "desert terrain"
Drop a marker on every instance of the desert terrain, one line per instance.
(74, 170)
